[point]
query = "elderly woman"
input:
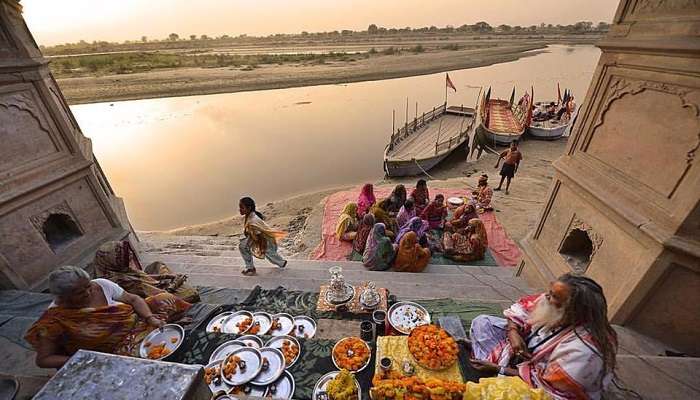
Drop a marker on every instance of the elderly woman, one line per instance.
(96, 315)
(411, 256)
(466, 244)
(346, 228)
(379, 252)
(117, 262)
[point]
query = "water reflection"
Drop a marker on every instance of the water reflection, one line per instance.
(187, 160)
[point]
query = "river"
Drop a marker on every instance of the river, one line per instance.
(186, 160)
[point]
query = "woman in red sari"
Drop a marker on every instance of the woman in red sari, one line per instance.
(96, 315)
(420, 196)
(435, 213)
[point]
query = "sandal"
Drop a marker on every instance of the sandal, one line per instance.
(248, 272)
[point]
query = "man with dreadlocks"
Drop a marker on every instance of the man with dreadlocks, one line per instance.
(559, 341)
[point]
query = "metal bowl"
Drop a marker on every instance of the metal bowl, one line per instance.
(165, 334)
(348, 338)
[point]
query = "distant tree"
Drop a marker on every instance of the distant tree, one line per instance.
(346, 32)
(144, 39)
(517, 29)
(464, 28)
(433, 28)
(225, 37)
(173, 37)
(193, 37)
(603, 26)
(583, 26)
(372, 29)
(204, 37)
(532, 28)
(482, 27)
(550, 26)
(504, 28)
(449, 29)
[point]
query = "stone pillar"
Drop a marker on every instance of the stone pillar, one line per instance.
(56, 206)
(624, 207)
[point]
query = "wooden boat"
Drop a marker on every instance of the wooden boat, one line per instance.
(503, 121)
(420, 145)
(548, 128)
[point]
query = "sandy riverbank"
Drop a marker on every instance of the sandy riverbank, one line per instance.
(197, 81)
(518, 212)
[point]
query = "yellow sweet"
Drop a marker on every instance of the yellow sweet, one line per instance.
(342, 387)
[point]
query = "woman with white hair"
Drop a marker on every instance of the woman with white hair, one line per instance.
(96, 315)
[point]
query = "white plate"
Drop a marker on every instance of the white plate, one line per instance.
(287, 322)
(283, 387)
(277, 342)
(225, 349)
(229, 325)
(253, 361)
(309, 327)
(163, 335)
(405, 315)
(221, 385)
(264, 320)
(218, 322)
(363, 342)
(275, 360)
(251, 341)
(322, 384)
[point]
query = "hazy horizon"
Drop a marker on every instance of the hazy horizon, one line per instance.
(64, 21)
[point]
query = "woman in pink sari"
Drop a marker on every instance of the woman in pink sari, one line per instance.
(366, 200)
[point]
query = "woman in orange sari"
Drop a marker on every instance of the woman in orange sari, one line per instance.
(96, 315)
(411, 256)
(466, 244)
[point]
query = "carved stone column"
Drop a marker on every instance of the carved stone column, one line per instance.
(56, 206)
(624, 207)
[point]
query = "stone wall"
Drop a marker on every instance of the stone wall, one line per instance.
(56, 206)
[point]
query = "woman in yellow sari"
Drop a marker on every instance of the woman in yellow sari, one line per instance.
(346, 228)
(260, 239)
(96, 315)
(117, 262)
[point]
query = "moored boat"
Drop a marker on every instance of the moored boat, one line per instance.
(504, 121)
(551, 120)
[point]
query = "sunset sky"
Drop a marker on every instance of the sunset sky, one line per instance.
(60, 21)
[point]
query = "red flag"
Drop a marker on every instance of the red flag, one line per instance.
(558, 94)
(449, 83)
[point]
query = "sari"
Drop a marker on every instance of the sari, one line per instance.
(258, 233)
(115, 329)
(347, 222)
(411, 257)
(434, 214)
(383, 215)
(415, 225)
(363, 232)
(463, 214)
(116, 261)
(467, 246)
(421, 198)
(379, 251)
(483, 197)
(404, 216)
(366, 200)
(397, 199)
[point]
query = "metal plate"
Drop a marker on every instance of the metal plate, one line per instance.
(348, 295)
(363, 342)
(251, 341)
(218, 322)
(229, 325)
(225, 349)
(277, 342)
(221, 385)
(264, 320)
(287, 322)
(405, 315)
(166, 335)
(283, 387)
(253, 361)
(275, 369)
(322, 384)
(309, 327)
(253, 390)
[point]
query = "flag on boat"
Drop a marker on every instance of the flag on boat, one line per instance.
(558, 94)
(449, 83)
(512, 96)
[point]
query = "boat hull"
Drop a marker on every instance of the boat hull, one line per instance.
(395, 168)
(500, 139)
(547, 133)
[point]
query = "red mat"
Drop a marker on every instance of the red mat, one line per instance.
(504, 250)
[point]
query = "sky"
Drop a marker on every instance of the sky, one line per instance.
(60, 21)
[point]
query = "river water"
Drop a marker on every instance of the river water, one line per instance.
(186, 160)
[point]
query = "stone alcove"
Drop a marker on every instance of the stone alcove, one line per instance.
(579, 245)
(58, 226)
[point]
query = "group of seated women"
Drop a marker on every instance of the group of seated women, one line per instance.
(403, 231)
(112, 313)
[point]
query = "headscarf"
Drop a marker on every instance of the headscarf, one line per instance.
(366, 199)
(347, 218)
(113, 261)
(258, 233)
(363, 232)
(377, 249)
(398, 196)
(421, 196)
(411, 257)
(483, 179)
(404, 215)
(416, 225)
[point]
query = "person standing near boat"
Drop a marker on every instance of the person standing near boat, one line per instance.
(260, 239)
(511, 162)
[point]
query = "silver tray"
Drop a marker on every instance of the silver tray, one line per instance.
(366, 362)
(275, 360)
(309, 327)
(218, 321)
(265, 321)
(322, 384)
(405, 315)
(251, 341)
(287, 322)
(277, 341)
(283, 387)
(349, 294)
(230, 322)
(253, 391)
(225, 349)
(253, 361)
(215, 386)
(163, 335)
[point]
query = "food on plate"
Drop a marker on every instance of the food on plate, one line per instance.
(210, 374)
(158, 351)
(342, 387)
(255, 329)
(231, 366)
(432, 347)
(276, 325)
(395, 387)
(290, 351)
(147, 344)
(351, 353)
(174, 339)
(217, 329)
(244, 325)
